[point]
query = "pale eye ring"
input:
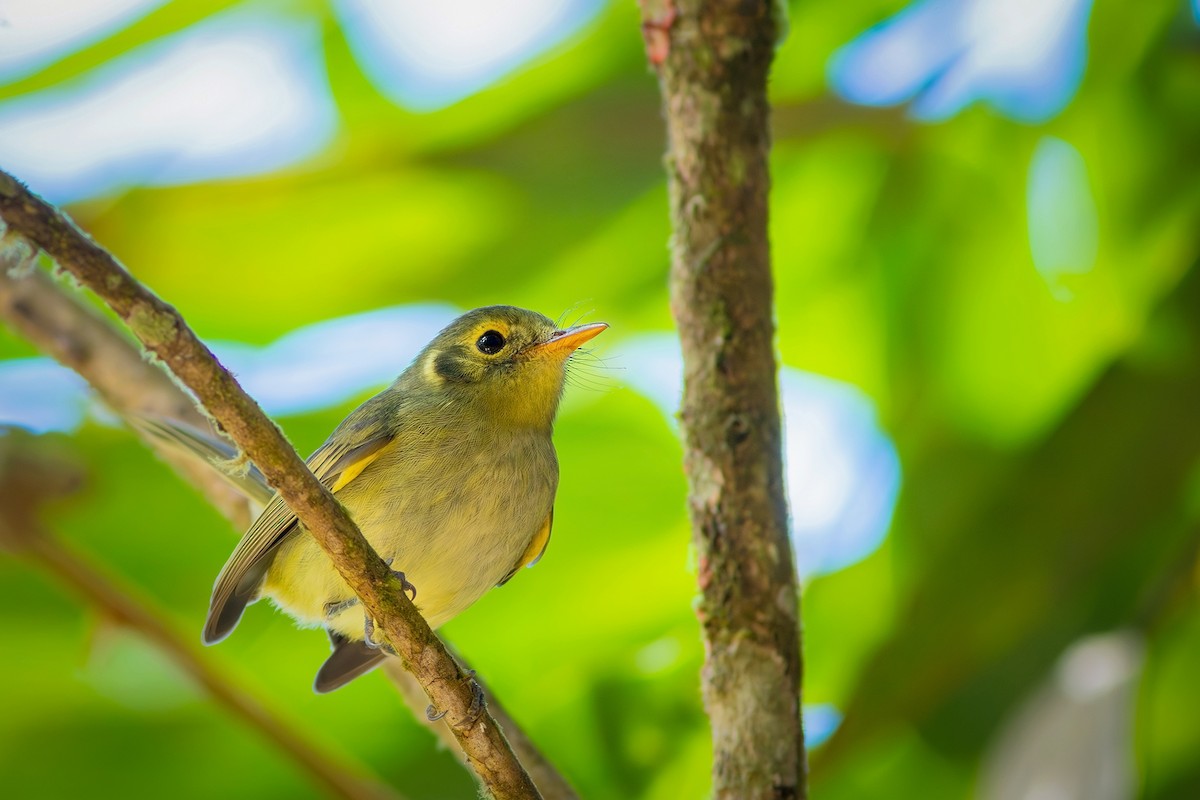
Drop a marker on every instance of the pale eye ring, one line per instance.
(490, 343)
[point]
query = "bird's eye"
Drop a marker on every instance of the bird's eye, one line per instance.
(490, 343)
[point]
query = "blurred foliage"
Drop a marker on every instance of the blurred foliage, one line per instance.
(1050, 442)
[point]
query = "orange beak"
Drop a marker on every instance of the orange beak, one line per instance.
(563, 343)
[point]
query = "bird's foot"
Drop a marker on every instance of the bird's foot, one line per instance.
(405, 586)
(333, 609)
(369, 623)
(369, 637)
(474, 711)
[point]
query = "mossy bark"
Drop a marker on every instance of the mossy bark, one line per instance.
(712, 59)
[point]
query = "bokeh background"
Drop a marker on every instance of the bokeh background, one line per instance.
(986, 223)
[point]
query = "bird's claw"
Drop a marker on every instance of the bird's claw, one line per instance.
(333, 609)
(478, 702)
(369, 624)
(369, 637)
(405, 586)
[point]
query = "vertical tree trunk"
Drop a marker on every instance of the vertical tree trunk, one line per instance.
(713, 58)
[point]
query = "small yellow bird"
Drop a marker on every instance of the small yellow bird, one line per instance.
(450, 474)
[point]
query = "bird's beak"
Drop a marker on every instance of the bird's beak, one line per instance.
(563, 343)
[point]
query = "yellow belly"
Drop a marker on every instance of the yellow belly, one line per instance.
(452, 540)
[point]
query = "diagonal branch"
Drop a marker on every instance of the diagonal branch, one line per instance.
(546, 777)
(29, 477)
(164, 333)
(712, 58)
(81, 339)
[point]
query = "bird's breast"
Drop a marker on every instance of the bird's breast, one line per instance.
(455, 516)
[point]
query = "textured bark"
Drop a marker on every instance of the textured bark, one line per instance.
(164, 333)
(81, 339)
(549, 781)
(712, 59)
(30, 476)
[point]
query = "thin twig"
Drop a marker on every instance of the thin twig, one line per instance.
(28, 478)
(163, 332)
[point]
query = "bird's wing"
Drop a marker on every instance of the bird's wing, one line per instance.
(349, 451)
(537, 546)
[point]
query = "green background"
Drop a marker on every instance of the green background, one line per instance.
(1049, 441)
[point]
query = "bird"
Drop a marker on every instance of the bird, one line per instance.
(450, 473)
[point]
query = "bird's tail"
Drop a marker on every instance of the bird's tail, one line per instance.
(218, 453)
(348, 660)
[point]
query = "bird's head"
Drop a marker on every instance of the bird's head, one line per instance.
(509, 360)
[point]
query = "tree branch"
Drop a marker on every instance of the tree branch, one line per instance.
(27, 479)
(163, 332)
(550, 781)
(712, 60)
(81, 339)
